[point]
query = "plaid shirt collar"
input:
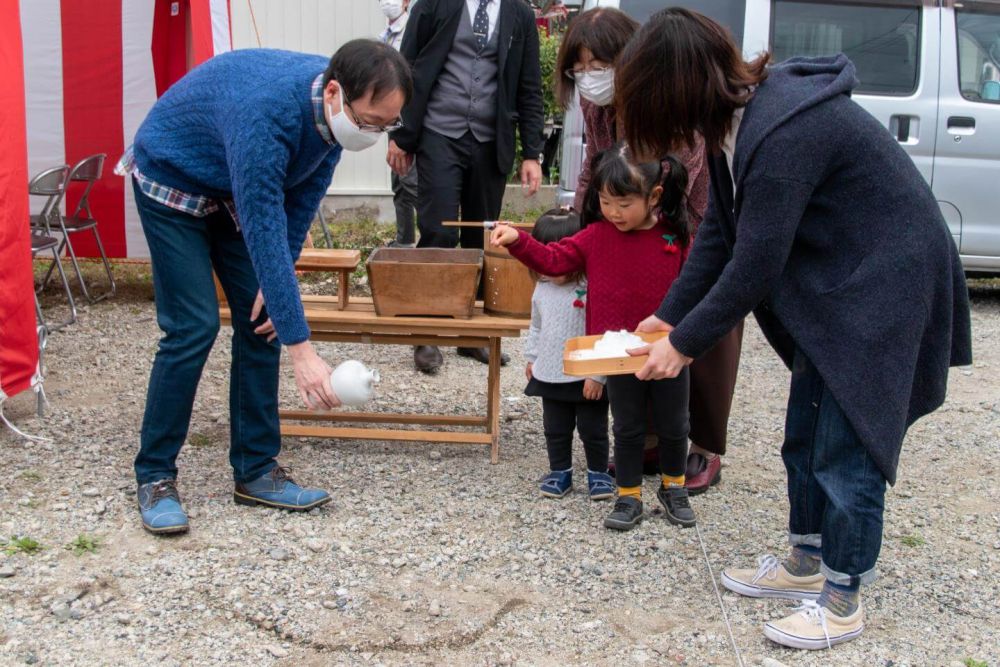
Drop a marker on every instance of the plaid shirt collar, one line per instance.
(320, 118)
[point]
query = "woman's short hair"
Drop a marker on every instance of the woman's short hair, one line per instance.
(605, 31)
(363, 65)
(682, 74)
(553, 225)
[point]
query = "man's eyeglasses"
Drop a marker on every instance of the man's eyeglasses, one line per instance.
(368, 127)
(574, 74)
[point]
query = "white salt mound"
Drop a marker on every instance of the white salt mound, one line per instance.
(612, 344)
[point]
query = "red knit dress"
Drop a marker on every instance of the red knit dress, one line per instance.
(628, 273)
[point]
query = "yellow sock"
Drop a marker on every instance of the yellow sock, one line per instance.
(630, 492)
(673, 481)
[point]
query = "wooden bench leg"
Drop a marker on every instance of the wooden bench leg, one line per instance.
(493, 400)
(343, 291)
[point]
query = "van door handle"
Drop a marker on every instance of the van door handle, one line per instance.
(960, 125)
(904, 127)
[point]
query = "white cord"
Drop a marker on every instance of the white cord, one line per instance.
(718, 596)
(33, 438)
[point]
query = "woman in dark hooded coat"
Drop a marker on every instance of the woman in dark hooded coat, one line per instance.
(820, 224)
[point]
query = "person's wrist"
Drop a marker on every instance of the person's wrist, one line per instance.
(300, 350)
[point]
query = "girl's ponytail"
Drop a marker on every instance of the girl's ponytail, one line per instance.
(673, 201)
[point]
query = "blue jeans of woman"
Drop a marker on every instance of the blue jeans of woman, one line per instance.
(836, 493)
(184, 249)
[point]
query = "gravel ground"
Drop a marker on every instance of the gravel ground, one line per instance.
(428, 554)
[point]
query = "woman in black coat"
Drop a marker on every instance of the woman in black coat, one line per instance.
(820, 224)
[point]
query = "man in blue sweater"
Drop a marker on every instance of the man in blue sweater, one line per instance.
(228, 170)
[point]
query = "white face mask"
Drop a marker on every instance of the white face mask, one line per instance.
(597, 87)
(346, 132)
(392, 9)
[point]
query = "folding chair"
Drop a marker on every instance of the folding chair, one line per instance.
(88, 171)
(50, 183)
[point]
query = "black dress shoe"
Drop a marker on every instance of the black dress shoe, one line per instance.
(427, 358)
(481, 354)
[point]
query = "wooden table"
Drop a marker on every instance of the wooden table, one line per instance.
(358, 323)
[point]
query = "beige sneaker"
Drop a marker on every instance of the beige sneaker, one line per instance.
(772, 580)
(814, 627)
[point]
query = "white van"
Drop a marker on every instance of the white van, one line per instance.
(929, 71)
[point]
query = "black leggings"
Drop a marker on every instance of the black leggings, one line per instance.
(591, 420)
(661, 403)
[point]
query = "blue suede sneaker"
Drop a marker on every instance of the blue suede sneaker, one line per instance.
(277, 489)
(557, 483)
(601, 485)
(160, 507)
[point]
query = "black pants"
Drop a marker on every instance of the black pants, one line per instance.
(404, 197)
(590, 419)
(633, 403)
(456, 175)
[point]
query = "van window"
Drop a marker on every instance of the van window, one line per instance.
(979, 51)
(883, 41)
(730, 13)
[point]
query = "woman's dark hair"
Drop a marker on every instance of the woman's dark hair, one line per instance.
(682, 74)
(616, 172)
(363, 65)
(553, 225)
(605, 31)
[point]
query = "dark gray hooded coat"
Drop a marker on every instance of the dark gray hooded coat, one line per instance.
(836, 243)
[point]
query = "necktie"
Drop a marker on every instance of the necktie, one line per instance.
(481, 25)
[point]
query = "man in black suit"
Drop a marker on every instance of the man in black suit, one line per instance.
(476, 76)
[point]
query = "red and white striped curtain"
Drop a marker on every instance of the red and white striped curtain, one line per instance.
(93, 69)
(18, 342)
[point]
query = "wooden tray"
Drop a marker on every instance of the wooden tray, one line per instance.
(424, 281)
(609, 366)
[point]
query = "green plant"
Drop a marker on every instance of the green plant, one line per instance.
(84, 544)
(972, 662)
(199, 440)
(31, 476)
(913, 540)
(24, 545)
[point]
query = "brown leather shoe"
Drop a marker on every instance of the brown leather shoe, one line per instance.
(702, 473)
(427, 358)
(481, 354)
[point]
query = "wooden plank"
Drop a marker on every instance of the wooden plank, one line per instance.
(398, 339)
(328, 259)
(344, 289)
(493, 401)
(348, 433)
(384, 418)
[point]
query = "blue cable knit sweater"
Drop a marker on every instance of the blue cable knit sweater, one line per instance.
(242, 126)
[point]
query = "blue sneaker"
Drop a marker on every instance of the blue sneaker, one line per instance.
(276, 489)
(601, 485)
(160, 508)
(557, 483)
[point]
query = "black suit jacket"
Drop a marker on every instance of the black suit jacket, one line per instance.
(430, 33)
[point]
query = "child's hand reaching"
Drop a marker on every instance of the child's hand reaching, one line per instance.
(592, 390)
(503, 235)
(527, 371)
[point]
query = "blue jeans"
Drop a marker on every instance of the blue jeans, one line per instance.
(836, 493)
(184, 250)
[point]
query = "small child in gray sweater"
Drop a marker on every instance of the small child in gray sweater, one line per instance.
(558, 306)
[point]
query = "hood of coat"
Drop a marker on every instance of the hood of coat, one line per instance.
(791, 88)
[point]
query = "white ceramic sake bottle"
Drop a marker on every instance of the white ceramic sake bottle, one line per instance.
(353, 383)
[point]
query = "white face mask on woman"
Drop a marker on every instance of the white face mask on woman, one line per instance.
(347, 134)
(392, 9)
(597, 87)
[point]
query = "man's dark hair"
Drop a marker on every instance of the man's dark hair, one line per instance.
(605, 31)
(681, 75)
(363, 65)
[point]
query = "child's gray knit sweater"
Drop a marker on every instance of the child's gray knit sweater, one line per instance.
(557, 314)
